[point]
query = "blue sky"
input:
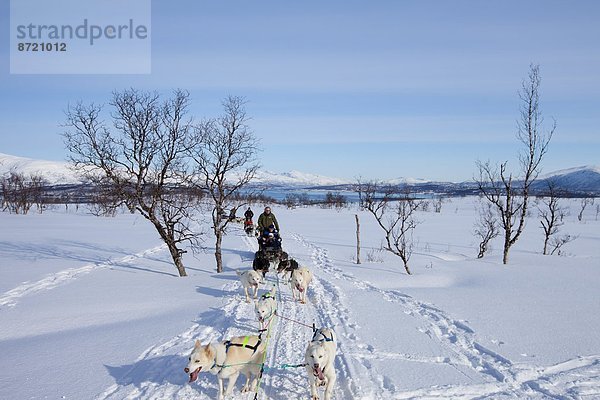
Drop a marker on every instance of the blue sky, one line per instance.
(379, 89)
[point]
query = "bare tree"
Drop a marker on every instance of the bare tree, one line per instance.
(141, 158)
(509, 193)
(104, 201)
(21, 192)
(586, 201)
(551, 213)
(357, 239)
(394, 213)
(334, 200)
(486, 227)
(557, 242)
(36, 190)
(438, 201)
(225, 162)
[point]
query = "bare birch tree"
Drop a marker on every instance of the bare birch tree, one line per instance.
(486, 227)
(585, 201)
(507, 192)
(21, 192)
(551, 214)
(225, 162)
(395, 215)
(357, 238)
(140, 158)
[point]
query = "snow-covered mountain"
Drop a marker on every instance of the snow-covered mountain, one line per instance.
(584, 179)
(296, 178)
(55, 172)
(578, 179)
(406, 181)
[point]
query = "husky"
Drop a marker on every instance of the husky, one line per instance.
(319, 359)
(242, 354)
(266, 307)
(287, 266)
(301, 278)
(261, 264)
(250, 280)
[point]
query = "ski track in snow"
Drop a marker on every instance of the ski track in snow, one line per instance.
(12, 297)
(578, 378)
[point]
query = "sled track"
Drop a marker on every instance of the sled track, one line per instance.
(158, 372)
(502, 378)
(326, 308)
(287, 343)
(12, 297)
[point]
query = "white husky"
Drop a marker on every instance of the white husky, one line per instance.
(266, 307)
(250, 280)
(243, 354)
(301, 278)
(320, 358)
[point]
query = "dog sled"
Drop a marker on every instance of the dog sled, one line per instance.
(249, 227)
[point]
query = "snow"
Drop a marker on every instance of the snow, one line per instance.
(590, 168)
(406, 181)
(91, 308)
(296, 178)
(586, 178)
(55, 172)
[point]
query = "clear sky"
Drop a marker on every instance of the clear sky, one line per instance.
(380, 89)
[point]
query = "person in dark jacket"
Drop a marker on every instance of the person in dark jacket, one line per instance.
(248, 214)
(266, 219)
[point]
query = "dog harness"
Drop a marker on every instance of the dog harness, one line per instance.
(244, 343)
(267, 295)
(324, 338)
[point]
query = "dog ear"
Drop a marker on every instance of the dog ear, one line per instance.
(197, 344)
(208, 351)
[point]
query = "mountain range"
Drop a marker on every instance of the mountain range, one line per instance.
(578, 180)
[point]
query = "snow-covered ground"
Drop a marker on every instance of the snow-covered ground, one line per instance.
(91, 308)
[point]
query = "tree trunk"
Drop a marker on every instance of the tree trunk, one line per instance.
(357, 239)
(218, 257)
(506, 249)
(405, 261)
(546, 245)
(177, 260)
(482, 248)
(170, 242)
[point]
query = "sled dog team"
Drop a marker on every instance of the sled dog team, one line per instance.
(245, 354)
